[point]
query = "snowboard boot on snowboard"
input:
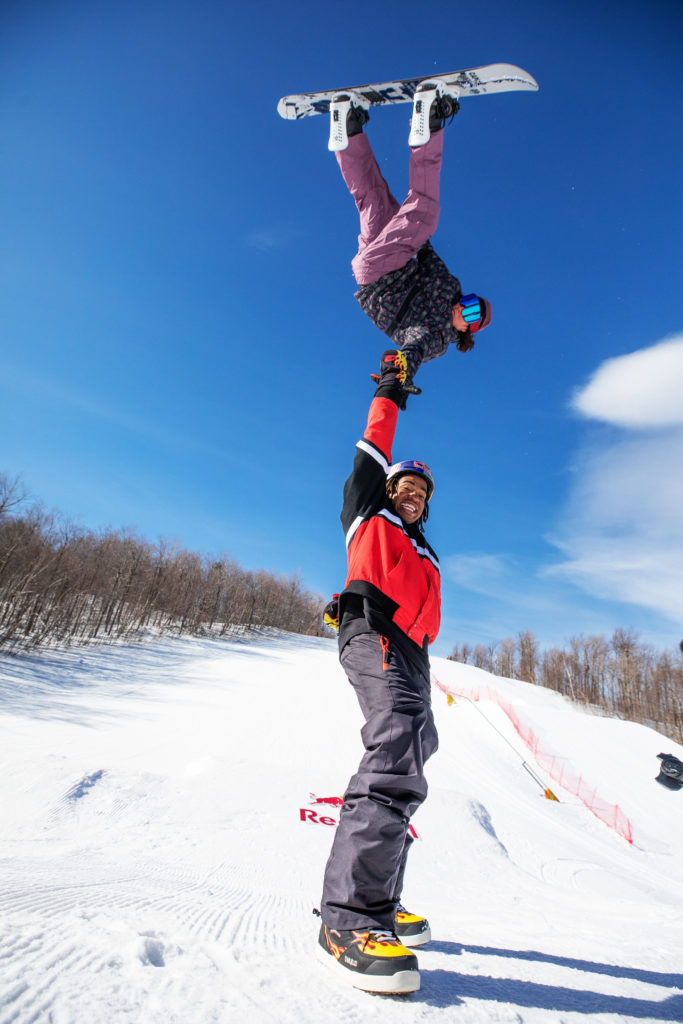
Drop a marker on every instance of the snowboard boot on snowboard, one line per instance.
(348, 114)
(411, 929)
(434, 103)
(371, 960)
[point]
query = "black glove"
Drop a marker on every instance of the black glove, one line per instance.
(331, 614)
(392, 378)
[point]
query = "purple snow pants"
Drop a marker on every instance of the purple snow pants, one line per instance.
(364, 873)
(390, 234)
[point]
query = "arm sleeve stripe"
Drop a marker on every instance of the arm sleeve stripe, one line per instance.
(369, 449)
(352, 529)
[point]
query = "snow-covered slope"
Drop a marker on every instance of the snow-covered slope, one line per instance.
(155, 867)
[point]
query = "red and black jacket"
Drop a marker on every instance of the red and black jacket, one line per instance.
(393, 586)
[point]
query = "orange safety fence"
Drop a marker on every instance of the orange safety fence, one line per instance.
(554, 766)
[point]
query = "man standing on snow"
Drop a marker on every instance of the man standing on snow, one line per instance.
(389, 612)
(405, 288)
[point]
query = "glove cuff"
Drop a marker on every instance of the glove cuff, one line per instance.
(392, 390)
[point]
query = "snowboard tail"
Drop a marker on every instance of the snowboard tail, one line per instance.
(491, 78)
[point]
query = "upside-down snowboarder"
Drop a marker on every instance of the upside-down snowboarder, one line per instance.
(389, 613)
(405, 288)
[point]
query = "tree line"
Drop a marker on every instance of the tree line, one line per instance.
(622, 676)
(62, 584)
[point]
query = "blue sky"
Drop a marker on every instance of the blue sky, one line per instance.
(180, 349)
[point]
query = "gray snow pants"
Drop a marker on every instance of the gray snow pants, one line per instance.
(364, 873)
(390, 234)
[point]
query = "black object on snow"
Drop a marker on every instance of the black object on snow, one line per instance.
(670, 771)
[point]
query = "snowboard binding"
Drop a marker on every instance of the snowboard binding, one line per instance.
(434, 103)
(348, 114)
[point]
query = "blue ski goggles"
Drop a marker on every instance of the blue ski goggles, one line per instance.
(471, 311)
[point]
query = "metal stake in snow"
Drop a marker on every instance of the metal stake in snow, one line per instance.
(547, 792)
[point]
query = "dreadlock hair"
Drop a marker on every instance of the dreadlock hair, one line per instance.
(391, 487)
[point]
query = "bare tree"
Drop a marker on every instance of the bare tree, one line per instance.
(461, 654)
(60, 583)
(482, 657)
(623, 677)
(528, 656)
(12, 494)
(505, 658)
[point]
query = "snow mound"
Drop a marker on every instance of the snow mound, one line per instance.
(162, 849)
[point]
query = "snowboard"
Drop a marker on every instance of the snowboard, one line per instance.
(472, 82)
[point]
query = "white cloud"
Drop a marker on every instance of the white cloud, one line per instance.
(487, 597)
(268, 239)
(621, 531)
(481, 573)
(264, 240)
(641, 390)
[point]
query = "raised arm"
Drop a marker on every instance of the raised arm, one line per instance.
(364, 491)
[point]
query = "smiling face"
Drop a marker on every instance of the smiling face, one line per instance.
(408, 496)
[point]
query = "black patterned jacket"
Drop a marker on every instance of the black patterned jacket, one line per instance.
(413, 307)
